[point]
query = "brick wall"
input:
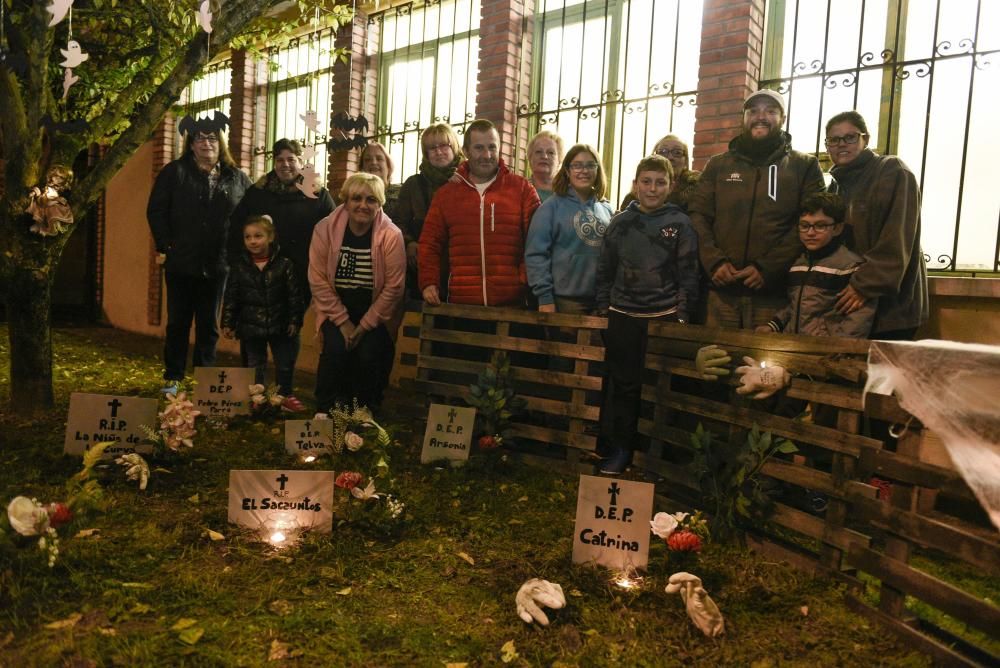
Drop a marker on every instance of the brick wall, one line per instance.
(241, 109)
(350, 81)
(163, 152)
(731, 50)
(501, 58)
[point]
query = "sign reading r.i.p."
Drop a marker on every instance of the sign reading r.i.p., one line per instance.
(612, 523)
(222, 392)
(99, 418)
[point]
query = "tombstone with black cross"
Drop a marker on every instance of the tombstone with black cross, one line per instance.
(304, 498)
(307, 438)
(100, 418)
(222, 392)
(612, 523)
(448, 434)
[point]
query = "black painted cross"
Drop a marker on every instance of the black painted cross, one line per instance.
(281, 480)
(115, 404)
(614, 492)
(308, 424)
(452, 414)
(222, 376)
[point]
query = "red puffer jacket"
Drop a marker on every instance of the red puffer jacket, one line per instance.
(483, 237)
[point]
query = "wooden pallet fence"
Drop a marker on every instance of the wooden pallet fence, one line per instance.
(861, 537)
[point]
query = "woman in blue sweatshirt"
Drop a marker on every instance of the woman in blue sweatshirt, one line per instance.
(564, 240)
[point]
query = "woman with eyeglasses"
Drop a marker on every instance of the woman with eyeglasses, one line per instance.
(564, 240)
(442, 155)
(883, 226)
(676, 152)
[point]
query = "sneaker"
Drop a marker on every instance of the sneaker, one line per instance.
(291, 404)
(617, 462)
(170, 388)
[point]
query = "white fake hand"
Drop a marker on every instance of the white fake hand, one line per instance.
(535, 593)
(700, 607)
(765, 380)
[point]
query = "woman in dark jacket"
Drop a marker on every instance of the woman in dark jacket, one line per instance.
(263, 306)
(442, 155)
(188, 213)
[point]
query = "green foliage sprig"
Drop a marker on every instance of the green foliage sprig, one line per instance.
(729, 477)
(494, 397)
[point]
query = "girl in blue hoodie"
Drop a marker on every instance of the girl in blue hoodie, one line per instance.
(564, 240)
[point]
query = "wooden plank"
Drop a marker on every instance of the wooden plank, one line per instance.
(830, 439)
(550, 406)
(671, 473)
(949, 538)
(816, 527)
(943, 655)
(557, 378)
(566, 467)
(494, 314)
(496, 342)
(812, 365)
(839, 396)
(578, 441)
(741, 338)
(936, 593)
(793, 555)
(800, 475)
(915, 472)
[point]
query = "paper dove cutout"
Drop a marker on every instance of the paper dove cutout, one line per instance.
(700, 607)
(309, 118)
(58, 9)
(68, 80)
(535, 593)
(205, 16)
(308, 183)
(72, 54)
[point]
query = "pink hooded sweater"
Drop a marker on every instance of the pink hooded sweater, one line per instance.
(388, 270)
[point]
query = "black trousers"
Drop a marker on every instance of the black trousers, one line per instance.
(190, 298)
(361, 373)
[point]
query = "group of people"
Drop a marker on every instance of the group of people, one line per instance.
(755, 241)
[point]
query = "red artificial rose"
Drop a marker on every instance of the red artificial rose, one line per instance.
(59, 514)
(348, 480)
(488, 442)
(684, 541)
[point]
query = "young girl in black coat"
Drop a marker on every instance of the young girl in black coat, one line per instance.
(263, 306)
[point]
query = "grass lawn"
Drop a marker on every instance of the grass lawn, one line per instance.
(151, 588)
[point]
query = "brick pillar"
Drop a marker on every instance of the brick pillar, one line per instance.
(163, 152)
(94, 154)
(349, 82)
(241, 109)
(501, 54)
(732, 38)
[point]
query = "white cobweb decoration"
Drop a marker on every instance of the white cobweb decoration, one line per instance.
(953, 389)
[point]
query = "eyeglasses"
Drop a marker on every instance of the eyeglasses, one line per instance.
(439, 147)
(846, 139)
(819, 227)
(583, 166)
(206, 139)
(672, 152)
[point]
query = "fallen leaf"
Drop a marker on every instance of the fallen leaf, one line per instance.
(576, 593)
(279, 650)
(346, 591)
(183, 623)
(7, 639)
(328, 572)
(137, 585)
(508, 652)
(463, 555)
(215, 535)
(515, 521)
(195, 498)
(192, 635)
(456, 665)
(140, 609)
(67, 623)
(86, 533)
(280, 607)
(522, 499)
(804, 610)
(160, 469)
(108, 631)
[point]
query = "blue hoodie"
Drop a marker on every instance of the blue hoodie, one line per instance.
(563, 246)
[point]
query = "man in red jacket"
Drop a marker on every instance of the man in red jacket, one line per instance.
(480, 222)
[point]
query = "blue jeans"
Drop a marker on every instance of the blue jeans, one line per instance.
(284, 350)
(197, 298)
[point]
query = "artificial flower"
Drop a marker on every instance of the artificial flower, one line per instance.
(348, 480)
(684, 541)
(59, 514)
(276, 399)
(257, 389)
(489, 442)
(664, 524)
(680, 517)
(353, 441)
(258, 399)
(366, 494)
(27, 516)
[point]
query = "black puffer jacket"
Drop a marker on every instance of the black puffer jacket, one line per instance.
(187, 223)
(262, 302)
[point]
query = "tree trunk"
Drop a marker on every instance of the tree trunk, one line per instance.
(29, 301)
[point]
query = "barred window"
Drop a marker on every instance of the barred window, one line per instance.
(299, 80)
(428, 61)
(920, 73)
(616, 74)
(211, 91)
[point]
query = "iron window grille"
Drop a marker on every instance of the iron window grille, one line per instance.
(211, 91)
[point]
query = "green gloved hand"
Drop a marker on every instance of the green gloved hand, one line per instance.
(712, 362)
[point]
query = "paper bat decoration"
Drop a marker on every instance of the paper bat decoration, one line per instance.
(216, 123)
(357, 141)
(58, 9)
(72, 54)
(73, 127)
(344, 121)
(205, 16)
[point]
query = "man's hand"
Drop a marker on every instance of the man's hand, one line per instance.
(228, 333)
(724, 275)
(546, 308)
(763, 329)
(431, 295)
(764, 380)
(411, 254)
(751, 277)
(711, 362)
(850, 300)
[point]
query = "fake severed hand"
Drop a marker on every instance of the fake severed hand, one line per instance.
(700, 607)
(711, 362)
(535, 593)
(764, 380)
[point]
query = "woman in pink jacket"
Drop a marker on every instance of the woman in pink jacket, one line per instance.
(357, 269)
